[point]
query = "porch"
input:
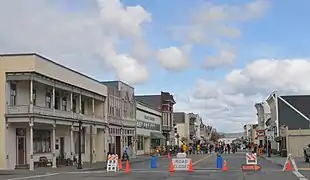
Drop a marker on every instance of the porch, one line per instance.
(35, 142)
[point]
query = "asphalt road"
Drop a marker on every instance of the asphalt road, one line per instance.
(203, 165)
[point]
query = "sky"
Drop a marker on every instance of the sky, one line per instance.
(218, 58)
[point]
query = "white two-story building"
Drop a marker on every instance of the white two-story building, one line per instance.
(41, 105)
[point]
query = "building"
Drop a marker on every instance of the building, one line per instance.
(181, 128)
(205, 132)
(194, 127)
(250, 135)
(121, 117)
(289, 122)
(149, 128)
(263, 114)
(42, 106)
(165, 103)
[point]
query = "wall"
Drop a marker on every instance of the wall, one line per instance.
(297, 140)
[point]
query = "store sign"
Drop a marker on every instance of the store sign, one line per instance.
(148, 125)
(146, 117)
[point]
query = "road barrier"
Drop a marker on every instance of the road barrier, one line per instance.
(112, 163)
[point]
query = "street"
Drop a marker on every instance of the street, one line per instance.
(204, 168)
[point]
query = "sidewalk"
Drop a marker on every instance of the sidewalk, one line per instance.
(86, 167)
(275, 159)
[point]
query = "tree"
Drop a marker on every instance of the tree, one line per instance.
(215, 136)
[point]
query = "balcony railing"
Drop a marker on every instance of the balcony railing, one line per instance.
(25, 109)
(167, 128)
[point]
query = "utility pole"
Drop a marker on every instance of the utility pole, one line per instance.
(80, 144)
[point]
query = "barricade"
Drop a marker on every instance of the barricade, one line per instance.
(251, 158)
(251, 163)
(181, 163)
(112, 163)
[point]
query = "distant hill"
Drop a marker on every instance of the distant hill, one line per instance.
(232, 135)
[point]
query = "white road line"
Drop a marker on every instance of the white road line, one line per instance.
(34, 177)
(299, 175)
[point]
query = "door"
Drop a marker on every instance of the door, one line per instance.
(21, 150)
(62, 147)
(118, 146)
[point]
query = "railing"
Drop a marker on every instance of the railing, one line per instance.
(25, 109)
(167, 128)
(131, 123)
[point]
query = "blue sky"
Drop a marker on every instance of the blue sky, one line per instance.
(262, 42)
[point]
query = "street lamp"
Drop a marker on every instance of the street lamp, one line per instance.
(79, 166)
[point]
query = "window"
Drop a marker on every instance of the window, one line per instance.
(13, 94)
(74, 105)
(82, 107)
(140, 143)
(57, 100)
(165, 119)
(34, 97)
(76, 141)
(41, 141)
(64, 104)
(48, 99)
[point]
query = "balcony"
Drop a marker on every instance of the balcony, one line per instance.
(130, 123)
(25, 110)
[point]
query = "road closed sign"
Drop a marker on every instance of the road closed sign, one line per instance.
(181, 164)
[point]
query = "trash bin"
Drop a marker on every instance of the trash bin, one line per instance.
(219, 161)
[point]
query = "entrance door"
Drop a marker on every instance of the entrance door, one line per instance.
(118, 146)
(62, 147)
(21, 150)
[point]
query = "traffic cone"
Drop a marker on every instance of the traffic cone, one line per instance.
(190, 167)
(127, 169)
(288, 166)
(225, 168)
(171, 167)
(120, 164)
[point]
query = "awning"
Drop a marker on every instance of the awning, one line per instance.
(157, 135)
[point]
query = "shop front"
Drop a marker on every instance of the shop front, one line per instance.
(149, 134)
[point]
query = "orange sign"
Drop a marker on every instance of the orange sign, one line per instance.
(251, 167)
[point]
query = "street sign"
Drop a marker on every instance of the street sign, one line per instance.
(181, 164)
(251, 167)
(181, 155)
(251, 158)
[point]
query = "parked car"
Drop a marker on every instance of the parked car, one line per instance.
(307, 153)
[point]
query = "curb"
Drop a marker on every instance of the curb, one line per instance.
(272, 161)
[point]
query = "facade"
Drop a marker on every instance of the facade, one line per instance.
(43, 105)
(291, 113)
(194, 125)
(149, 129)
(121, 117)
(250, 135)
(181, 128)
(263, 114)
(165, 103)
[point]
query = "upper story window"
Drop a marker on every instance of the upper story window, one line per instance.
(13, 93)
(48, 99)
(74, 105)
(34, 96)
(57, 100)
(118, 107)
(64, 103)
(83, 107)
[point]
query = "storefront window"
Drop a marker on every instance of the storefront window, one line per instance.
(140, 143)
(41, 141)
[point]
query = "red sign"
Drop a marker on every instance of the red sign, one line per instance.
(260, 133)
(251, 167)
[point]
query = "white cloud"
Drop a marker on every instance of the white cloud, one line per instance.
(90, 38)
(174, 58)
(229, 102)
(215, 24)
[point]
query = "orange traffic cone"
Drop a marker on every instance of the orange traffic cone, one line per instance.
(127, 169)
(288, 166)
(171, 167)
(190, 167)
(120, 164)
(225, 167)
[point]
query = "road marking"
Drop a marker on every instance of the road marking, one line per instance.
(200, 160)
(299, 175)
(304, 169)
(34, 177)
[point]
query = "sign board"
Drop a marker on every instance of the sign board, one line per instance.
(181, 155)
(260, 133)
(251, 158)
(181, 164)
(251, 167)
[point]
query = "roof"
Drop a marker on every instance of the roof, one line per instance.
(114, 84)
(151, 100)
(300, 102)
(46, 59)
